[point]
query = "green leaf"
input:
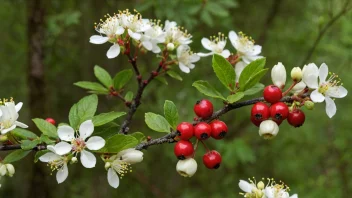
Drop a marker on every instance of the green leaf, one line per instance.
(139, 136)
(157, 122)
(23, 133)
(205, 88)
(45, 127)
(171, 113)
(38, 154)
(174, 75)
(235, 97)
(253, 80)
(122, 78)
(103, 76)
(118, 143)
(224, 71)
(46, 139)
(107, 130)
(250, 70)
(255, 89)
(29, 145)
(83, 110)
(104, 118)
(129, 96)
(96, 87)
(15, 156)
(161, 79)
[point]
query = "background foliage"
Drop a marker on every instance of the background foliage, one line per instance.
(314, 160)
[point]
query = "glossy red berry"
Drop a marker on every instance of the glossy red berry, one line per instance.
(218, 129)
(203, 108)
(185, 130)
(50, 120)
(183, 149)
(279, 112)
(202, 131)
(272, 94)
(212, 159)
(260, 112)
(296, 118)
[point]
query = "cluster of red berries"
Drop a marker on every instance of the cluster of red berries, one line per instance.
(278, 111)
(216, 129)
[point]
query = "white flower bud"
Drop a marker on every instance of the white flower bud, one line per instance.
(187, 167)
(131, 156)
(170, 46)
(268, 129)
(3, 170)
(296, 74)
(107, 165)
(10, 169)
(74, 160)
(278, 75)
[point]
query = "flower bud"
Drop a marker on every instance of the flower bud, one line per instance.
(268, 129)
(107, 165)
(170, 46)
(3, 170)
(278, 75)
(309, 105)
(131, 156)
(74, 160)
(187, 167)
(10, 169)
(260, 185)
(296, 74)
(3, 138)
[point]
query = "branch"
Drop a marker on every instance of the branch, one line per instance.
(322, 32)
(18, 146)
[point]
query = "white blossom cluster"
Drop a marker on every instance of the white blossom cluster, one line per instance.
(9, 115)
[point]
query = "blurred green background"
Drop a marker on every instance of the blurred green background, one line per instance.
(314, 160)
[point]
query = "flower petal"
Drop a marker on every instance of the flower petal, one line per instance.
(4, 131)
(20, 124)
(233, 37)
(113, 51)
(48, 157)
(206, 44)
(96, 39)
(323, 72)
(113, 178)
(311, 81)
(147, 45)
(95, 143)
(337, 92)
(88, 160)
(225, 53)
(205, 54)
(294, 196)
(62, 148)
(134, 35)
(62, 174)
(245, 186)
(120, 30)
(194, 58)
(66, 133)
(184, 68)
(330, 107)
(239, 68)
(18, 106)
(86, 129)
(316, 96)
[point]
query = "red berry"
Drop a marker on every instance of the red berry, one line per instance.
(296, 118)
(279, 112)
(260, 112)
(203, 108)
(212, 159)
(185, 130)
(183, 149)
(202, 131)
(272, 94)
(218, 129)
(51, 121)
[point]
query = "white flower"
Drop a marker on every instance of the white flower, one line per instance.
(79, 143)
(186, 58)
(134, 24)
(57, 161)
(245, 47)
(278, 75)
(239, 68)
(152, 37)
(9, 115)
(326, 88)
(175, 35)
(119, 165)
(277, 191)
(268, 129)
(112, 30)
(187, 167)
(215, 45)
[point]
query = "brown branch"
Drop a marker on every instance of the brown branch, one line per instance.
(322, 32)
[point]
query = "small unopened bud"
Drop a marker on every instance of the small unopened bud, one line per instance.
(107, 165)
(3, 138)
(296, 74)
(268, 129)
(260, 185)
(309, 105)
(187, 167)
(74, 159)
(131, 156)
(170, 46)
(3, 170)
(278, 75)
(10, 169)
